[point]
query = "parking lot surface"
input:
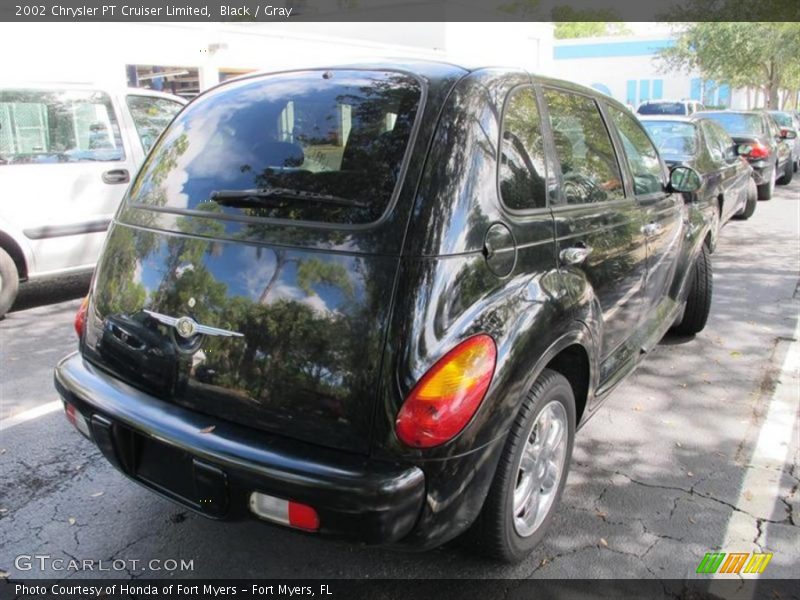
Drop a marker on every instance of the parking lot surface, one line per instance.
(696, 452)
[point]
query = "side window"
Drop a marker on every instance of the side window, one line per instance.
(49, 126)
(642, 156)
(713, 143)
(589, 168)
(522, 166)
(772, 128)
(723, 140)
(151, 115)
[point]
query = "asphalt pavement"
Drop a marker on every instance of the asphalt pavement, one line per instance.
(697, 452)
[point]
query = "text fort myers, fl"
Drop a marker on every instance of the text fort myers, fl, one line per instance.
(170, 589)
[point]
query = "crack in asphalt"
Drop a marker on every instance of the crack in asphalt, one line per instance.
(692, 492)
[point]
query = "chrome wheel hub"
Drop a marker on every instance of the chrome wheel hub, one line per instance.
(540, 469)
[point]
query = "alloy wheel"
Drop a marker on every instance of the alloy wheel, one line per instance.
(540, 469)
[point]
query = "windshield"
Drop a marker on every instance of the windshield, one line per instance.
(283, 146)
(662, 108)
(739, 123)
(673, 138)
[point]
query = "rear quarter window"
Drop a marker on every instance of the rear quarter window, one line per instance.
(324, 147)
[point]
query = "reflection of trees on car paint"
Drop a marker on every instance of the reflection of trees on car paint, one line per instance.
(583, 147)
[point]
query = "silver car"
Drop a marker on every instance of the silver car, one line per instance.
(67, 153)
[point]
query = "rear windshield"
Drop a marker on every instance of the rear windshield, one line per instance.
(304, 146)
(673, 138)
(663, 108)
(739, 123)
(781, 118)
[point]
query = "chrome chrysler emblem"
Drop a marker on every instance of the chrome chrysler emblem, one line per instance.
(187, 327)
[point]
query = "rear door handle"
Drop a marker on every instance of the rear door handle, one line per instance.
(116, 176)
(575, 255)
(652, 229)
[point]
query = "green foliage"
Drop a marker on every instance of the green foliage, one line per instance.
(592, 23)
(743, 54)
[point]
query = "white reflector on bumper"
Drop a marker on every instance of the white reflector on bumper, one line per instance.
(285, 512)
(78, 421)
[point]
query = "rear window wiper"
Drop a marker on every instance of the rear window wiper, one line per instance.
(255, 197)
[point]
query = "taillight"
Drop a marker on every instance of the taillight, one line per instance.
(80, 317)
(758, 151)
(444, 400)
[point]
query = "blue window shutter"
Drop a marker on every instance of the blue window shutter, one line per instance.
(658, 89)
(631, 92)
(725, 95)
(695, 87)
(644, 90)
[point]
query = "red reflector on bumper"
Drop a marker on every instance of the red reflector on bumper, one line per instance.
(77, 420)
(303, 517)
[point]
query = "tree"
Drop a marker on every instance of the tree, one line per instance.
(742, 54)
(590, 24)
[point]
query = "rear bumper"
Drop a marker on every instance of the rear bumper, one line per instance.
(762, 172)
(356, 498)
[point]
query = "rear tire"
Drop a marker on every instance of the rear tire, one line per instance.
(502, 530)
(750, 203)
(698, 302)
(788, 173)
(9, 282)
(766, 190)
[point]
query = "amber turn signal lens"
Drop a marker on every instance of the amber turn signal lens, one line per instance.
(445, 399)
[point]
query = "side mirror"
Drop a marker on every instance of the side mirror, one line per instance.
(684, 179)
(788, 134)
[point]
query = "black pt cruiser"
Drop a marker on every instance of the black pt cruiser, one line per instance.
(376, 302)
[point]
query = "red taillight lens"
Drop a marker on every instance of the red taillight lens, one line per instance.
(444, 400)
(758, 151)
(303, 516)
(69, 411)
(80, 317)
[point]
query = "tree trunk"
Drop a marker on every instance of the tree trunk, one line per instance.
(772, 95)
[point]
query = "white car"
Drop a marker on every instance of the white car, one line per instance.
(67, 154)
(683, 108)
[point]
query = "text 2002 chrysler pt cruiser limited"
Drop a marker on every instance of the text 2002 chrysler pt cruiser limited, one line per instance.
(376, 302)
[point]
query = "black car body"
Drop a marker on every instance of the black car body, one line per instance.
(298, 326)
(761, 142)
(788, 121)
(702, 144)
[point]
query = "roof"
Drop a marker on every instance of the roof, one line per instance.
(87, 85)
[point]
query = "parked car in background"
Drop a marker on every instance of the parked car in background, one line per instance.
(375, 303)
(789, 121)
(705, 146)
(669, 107)
(67, 153)
(761, 142)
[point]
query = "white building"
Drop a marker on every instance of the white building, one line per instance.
(190, 57)
(626, 67)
